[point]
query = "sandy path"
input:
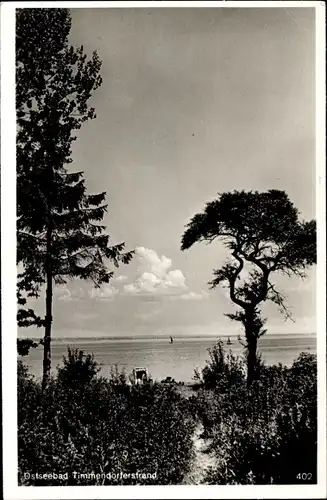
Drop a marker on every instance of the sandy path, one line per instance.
(202, 460)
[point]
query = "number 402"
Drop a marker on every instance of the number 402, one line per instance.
(304, 476)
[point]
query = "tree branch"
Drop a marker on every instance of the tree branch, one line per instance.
(241, 342)
(23, 233)
(232, 279)
(278, 298)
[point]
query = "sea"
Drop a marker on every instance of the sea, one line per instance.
(162, 358)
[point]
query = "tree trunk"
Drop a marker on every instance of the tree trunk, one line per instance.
(48, 311)
(252, 342)
(252, 327)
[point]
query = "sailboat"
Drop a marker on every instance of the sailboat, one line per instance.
(229, 342)
(171, 340)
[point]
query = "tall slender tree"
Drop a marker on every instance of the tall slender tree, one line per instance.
(263, 232)
(59, 235)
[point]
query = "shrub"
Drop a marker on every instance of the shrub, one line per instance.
(266, 433)
(262, 434)
(105, 426)
(221, 370)
(78, 369)
(118, 377)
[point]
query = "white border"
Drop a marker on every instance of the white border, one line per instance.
(321, 240)
(126, 4)
(8, 252)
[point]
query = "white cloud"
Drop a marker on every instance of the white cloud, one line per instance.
(155, 275)
(105, 292)
(150, 258)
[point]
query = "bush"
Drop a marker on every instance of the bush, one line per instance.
(78, 369)
(86, 423)
(118, 377)
(221, 370)
(267, 433)
(262, 434)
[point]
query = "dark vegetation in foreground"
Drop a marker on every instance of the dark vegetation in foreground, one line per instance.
(263, 434)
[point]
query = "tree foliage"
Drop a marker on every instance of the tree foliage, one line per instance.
(24, 346)
(54, 83)
(262, 231)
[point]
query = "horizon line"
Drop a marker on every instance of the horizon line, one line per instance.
(161, 336)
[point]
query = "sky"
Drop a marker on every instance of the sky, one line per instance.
(194, 102)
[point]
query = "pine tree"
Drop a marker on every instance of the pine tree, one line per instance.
(59, 230)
